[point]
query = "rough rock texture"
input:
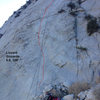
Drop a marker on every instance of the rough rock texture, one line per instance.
(68, 97)
(70, 54)
(82, 95)
(90, 95)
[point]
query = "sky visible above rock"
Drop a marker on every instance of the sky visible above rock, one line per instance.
(7, 7)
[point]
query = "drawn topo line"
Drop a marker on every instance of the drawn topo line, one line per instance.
(39, 39)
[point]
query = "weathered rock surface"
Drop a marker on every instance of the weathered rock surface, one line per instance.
(68, 97)
(70, 54)
(82, 95)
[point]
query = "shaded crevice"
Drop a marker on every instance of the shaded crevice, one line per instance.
(90, 67)
(74, 10)
(90, 63)
(92, 77)
(76, 44)
(71, 38)
(61, 65)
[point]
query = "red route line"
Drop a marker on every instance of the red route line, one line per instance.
(39, 39)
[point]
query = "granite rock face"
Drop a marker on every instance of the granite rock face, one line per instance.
(68, 53)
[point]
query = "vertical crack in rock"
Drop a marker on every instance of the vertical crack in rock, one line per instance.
(90, 63)
(92, 78)
(35, 80)
(76, 39)
(90, 67)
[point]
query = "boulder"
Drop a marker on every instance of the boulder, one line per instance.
(68, 97)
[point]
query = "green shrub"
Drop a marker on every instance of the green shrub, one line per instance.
(28, 2)
(92, 26)
(71, 5)
(24, 6)
(14, 12)
(79, 2)
(88, 17)
(18, 14)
